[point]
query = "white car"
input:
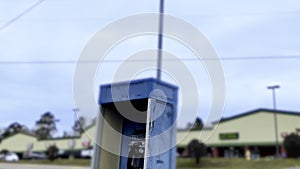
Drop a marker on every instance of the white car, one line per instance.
(87, 153)
(11, 157)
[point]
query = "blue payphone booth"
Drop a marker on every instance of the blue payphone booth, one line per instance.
(136, 128)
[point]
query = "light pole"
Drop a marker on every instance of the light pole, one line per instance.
(75, 110)
(273, 88)
(72, 142)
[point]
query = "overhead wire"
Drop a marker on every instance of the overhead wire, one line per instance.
(292, 12)
(108, 19)
(148, 60)
(16, 18)
(21, 14)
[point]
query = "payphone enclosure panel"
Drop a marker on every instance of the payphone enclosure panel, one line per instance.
(113, 127)
(110, 142)
(114, 121)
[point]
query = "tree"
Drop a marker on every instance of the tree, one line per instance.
(14, 128)
(292, 145)
(196, 149)
(52, 152)
(4, 151)
(46, 126)
(1, 131)
(79, 125)
(197, 125)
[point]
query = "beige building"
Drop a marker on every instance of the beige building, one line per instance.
(21, 142)
(253, 130)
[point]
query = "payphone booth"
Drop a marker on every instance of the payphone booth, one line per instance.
(137, 126)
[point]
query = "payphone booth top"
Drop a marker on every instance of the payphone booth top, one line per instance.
(131, 113)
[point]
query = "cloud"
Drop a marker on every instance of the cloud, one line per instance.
(56, 30)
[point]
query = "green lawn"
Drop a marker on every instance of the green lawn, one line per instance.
(75, 162)
(206, 163)
(221, 163)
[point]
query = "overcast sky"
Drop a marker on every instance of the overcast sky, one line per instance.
(262, 36)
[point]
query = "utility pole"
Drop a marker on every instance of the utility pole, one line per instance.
(160, 39)
(273, 88)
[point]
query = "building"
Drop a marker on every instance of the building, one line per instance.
(231, 137)
(21, 142)
(253, 130)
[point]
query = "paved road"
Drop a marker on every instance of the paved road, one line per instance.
(31, 166)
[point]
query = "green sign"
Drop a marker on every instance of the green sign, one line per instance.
(229, 136)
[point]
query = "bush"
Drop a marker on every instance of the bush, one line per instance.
(292, 145)
(4, 151)
(196, 149)
(52, 152)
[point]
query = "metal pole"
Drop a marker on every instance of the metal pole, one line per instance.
(75, 110)
(160, 39)
(72, 146)
(275, 118)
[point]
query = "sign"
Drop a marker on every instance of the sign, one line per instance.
(229, 136)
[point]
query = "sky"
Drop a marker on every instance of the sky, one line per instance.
(260, 37)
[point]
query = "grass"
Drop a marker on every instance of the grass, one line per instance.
(187, 163)
(222, 163)
(72, 162)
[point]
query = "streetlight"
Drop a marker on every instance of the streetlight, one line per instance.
(75, 110)
(72, 142)
(273, 88)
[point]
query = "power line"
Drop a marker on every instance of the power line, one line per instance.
(149, 60)
(93, 19)
(277, 13)
(21, 14)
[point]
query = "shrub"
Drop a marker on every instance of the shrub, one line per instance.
(292, 145)
(196, 149)
(52, 152)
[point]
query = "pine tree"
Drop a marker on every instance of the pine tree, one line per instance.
(14, 128)
(46, 126)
